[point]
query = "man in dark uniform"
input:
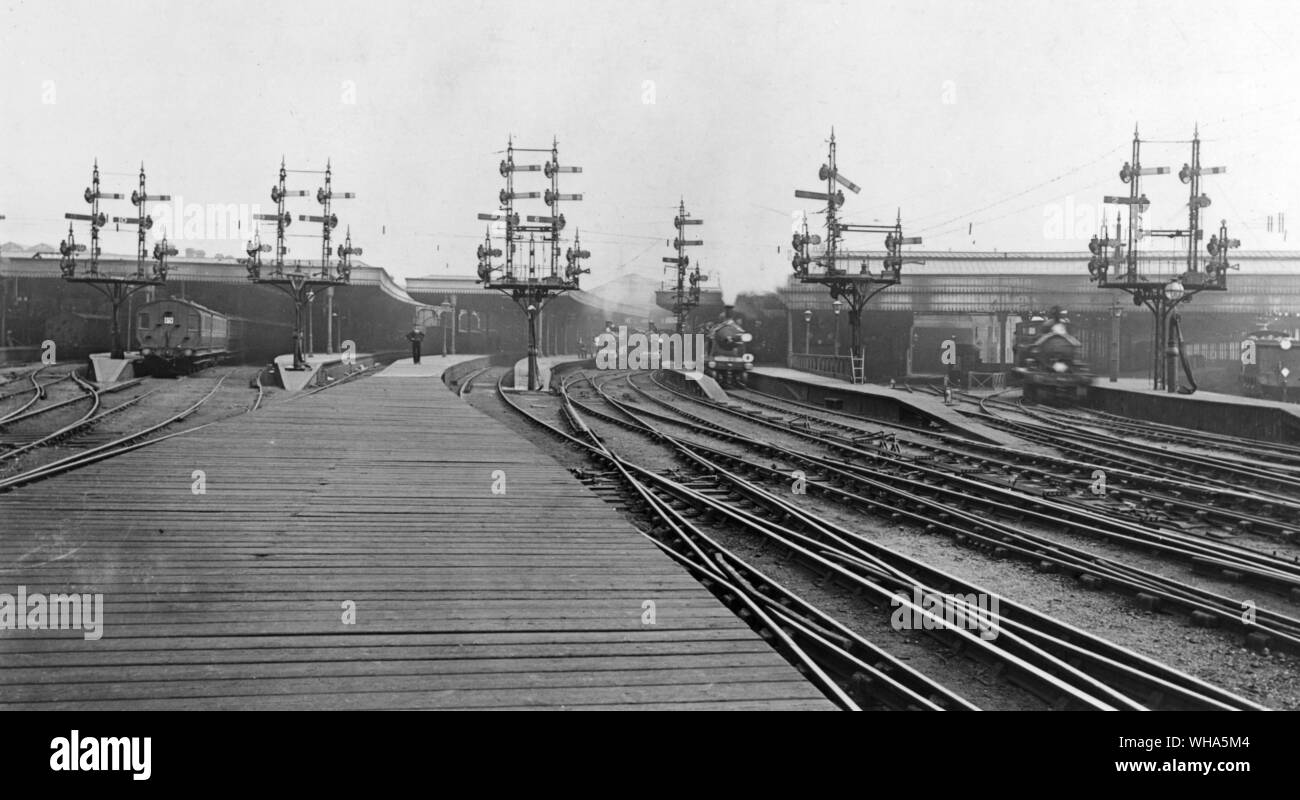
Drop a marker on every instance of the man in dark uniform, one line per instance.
(415, 337)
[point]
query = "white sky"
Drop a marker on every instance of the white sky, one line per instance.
(961, 113)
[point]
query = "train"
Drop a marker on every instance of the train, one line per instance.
(726, 359)
(1274, 357)
(1047, 364)
(177, 337)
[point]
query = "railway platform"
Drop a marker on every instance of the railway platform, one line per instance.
(1233, 415)
(376, 545)
(880, 402)
(296, 380)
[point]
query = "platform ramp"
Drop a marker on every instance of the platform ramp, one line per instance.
(316, 366)
(707, 386)
(429, 366)
(110, 370)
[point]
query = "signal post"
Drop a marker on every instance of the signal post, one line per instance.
(823, 267)
(1115, 262)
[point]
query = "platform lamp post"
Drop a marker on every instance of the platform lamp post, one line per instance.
(1174, 293)
(311, 309)
(444, 315)
(529, 289)
(116, 288)
(1161, 295)
(1116, 314)
(1283, 372)
(837, 307)
(807, 331)
(301, 285)
(856, 289)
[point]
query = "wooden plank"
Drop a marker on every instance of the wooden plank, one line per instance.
(379, 493)
(415, 698)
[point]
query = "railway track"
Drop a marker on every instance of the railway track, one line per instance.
(1279, 455)
(1001, 511)
(841, 661)
(115, 447)
(92, 417)
(467, 383)
(89, 392)
(1281, 490)
(1183, 505)
(38, 391)
(1040, 652)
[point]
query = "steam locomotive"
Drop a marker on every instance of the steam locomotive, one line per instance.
(1047, 360)
(725, 356)
(1276, 360)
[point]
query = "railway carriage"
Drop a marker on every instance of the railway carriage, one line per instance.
(177, 337)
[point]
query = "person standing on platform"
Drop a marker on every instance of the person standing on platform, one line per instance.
(415, 337)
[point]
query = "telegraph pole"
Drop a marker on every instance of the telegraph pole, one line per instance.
(527, 287)
(857, 288)
(1162, 295)
(117, 288)
(299, 284)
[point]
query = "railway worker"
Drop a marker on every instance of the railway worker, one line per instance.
(415, 337)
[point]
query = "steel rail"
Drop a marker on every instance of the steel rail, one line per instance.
(1195, 691)
(108, 449)
(907, 687)
(1001, 538)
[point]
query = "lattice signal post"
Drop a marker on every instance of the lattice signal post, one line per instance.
(1115, 262)
(855, 288)
(117, 288)
(301, 285)
(529, 289)
(687, 292)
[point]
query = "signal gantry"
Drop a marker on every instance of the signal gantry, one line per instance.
(301, 285)
(1116, 263)
(526, 287)
(117, 288)
(856, 288)
(685, 297)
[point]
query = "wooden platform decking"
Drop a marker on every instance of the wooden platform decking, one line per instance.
(377, 493)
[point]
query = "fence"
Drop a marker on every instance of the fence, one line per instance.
(829, 366)
(1213, 351)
